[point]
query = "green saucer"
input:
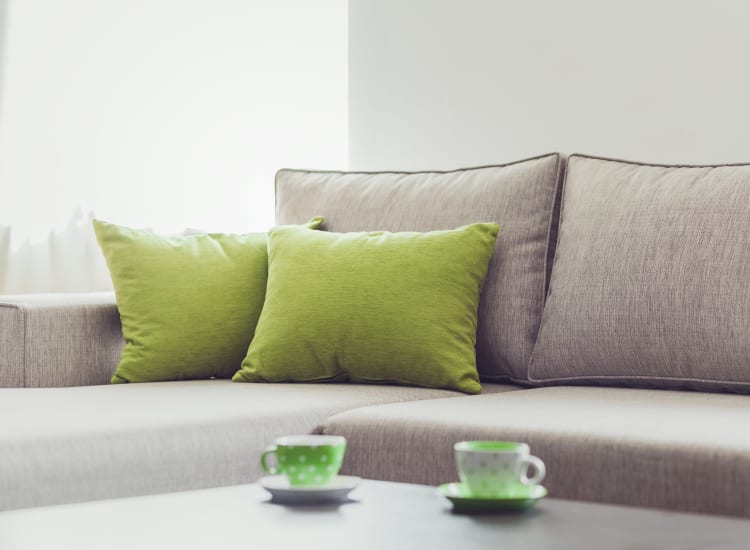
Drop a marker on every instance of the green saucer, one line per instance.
(465, 503)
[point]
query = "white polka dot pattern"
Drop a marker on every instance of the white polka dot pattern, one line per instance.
(309, 465)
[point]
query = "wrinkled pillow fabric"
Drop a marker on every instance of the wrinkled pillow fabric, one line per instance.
(188, 304)
(372, 307)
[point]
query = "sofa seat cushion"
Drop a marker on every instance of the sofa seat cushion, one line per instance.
(666, 449)
(72, 444)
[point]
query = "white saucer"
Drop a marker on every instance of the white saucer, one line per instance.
(335, 490)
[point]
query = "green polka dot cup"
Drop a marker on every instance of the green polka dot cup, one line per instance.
(305, 459)
(497, 469)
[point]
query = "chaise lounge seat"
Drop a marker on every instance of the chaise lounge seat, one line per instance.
(73, 444)
(667, 449)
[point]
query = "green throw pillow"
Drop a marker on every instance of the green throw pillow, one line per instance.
(371, 307)
(188, 304)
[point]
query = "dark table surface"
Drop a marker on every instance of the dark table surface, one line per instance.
(378, 515)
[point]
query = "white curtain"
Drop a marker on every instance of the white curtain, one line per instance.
(68, 260)
(156, 113)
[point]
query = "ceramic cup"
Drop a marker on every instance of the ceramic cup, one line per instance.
(497, 469)
(305, 459)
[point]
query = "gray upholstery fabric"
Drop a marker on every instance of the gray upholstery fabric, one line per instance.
(666, 449)
(650, 279)
(58, 339)
(12, 345)
(73, 444)
(520, 197)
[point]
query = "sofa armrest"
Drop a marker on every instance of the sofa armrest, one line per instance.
(51, 340)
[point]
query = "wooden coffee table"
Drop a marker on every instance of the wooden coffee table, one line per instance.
(379, 516)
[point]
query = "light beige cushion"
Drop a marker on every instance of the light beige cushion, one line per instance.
(520, 197)
(651, 279)
(667, 449)
(62, 445)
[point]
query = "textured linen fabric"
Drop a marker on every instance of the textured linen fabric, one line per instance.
(188, 304)
(371, 307)
(63, 445)
(520, 197)
(58, 339)
(12, 346)
(650, 279)
(665, 449)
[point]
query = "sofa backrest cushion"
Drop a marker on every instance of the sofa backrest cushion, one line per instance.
(651, 278)
(520, 197)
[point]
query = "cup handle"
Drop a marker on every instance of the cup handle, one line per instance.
(539, 472)
(272, 470)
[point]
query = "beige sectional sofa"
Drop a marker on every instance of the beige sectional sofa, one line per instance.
(650, 261)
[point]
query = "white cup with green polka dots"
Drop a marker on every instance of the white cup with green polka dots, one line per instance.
(497, 469)
(305, 459)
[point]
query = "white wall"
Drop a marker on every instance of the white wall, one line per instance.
(165, 113)
(447, 83)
